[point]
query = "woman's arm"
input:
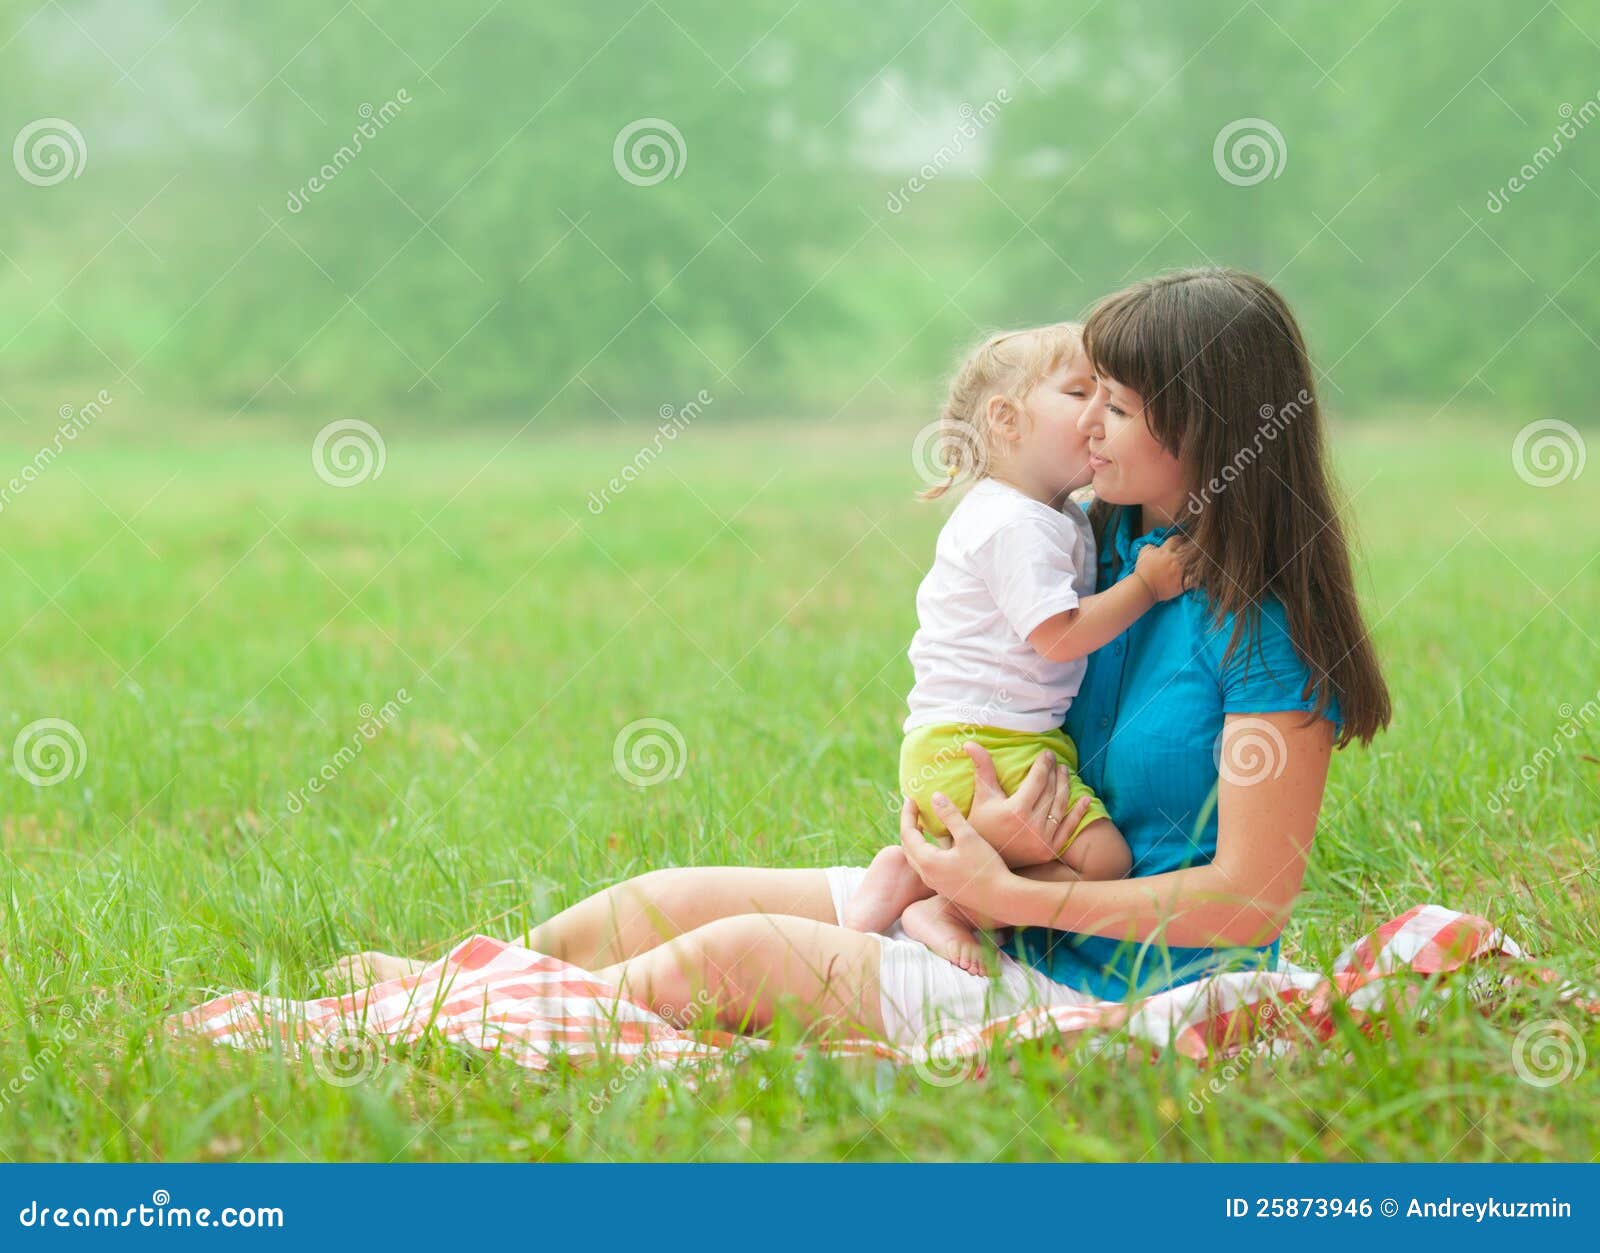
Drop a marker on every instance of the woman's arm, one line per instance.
(1264, 835)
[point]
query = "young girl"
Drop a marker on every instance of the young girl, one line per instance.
(1006, 617)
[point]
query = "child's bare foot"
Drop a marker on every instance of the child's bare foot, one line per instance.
(891, 884)
(938, 924)
(362, 970)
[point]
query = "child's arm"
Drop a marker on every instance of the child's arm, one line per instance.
(1099, 619)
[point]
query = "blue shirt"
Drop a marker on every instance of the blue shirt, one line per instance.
(1148, 725)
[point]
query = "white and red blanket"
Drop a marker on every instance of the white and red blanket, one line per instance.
(500, 998)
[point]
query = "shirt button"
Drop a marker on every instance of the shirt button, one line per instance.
(1118, 648)
(1105, 722)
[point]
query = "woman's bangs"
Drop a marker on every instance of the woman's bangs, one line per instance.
(1117, 341)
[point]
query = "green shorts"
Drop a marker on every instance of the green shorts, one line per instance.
(931, 761)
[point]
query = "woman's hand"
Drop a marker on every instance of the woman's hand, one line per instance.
(1035, 815)
(969, 872)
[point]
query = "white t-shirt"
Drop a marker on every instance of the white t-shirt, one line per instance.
(1003, 564)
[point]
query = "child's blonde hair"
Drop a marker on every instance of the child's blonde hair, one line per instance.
(1009, 364)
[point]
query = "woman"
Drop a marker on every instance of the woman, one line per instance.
(1206, 728)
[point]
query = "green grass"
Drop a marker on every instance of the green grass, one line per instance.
(212, 618)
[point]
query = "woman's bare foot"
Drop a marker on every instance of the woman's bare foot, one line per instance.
(362, 970)
(943, 928)
(891, 885)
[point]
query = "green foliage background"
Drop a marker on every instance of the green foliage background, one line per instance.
(190, 592)
(482, 255)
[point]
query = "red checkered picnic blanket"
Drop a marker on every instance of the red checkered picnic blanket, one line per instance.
(498, 997)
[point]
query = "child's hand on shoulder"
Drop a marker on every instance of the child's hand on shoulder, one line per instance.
(1163, 568)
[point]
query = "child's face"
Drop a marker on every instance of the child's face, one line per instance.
(1051, 439)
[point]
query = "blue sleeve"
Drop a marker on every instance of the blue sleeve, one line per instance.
(1265, 674)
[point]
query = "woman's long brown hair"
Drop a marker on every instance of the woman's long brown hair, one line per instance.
(1222, 368)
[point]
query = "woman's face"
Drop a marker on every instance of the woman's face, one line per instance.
(1130, 465)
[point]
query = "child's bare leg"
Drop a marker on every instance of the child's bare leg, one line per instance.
(1099, 852)
(890, 885)
(942, 926)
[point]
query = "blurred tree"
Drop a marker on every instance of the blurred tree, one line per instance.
(853, 191)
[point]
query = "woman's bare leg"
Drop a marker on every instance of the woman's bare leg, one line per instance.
(631, 917)
(747, 965)
(636, 915)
